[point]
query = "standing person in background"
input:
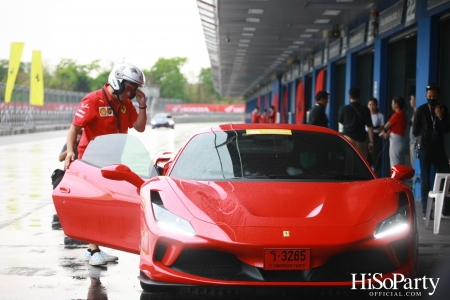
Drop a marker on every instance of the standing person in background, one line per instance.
(255, 115)
(317, 115)
(354, 118)
(374, 158)
(272, 114)
(106, 111)
(431, 121)
(395, 130)
(412, 139)
(263, 117)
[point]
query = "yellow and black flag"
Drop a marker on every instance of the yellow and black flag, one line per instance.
(36, 80)
(13, 69)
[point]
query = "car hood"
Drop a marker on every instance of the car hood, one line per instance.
(280, 203)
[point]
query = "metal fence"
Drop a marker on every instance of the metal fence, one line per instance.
(59, 107)
(18, 116)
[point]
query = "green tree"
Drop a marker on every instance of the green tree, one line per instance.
(70, 76)
(166, 73)
(4, 63)
(100, 80)
(207, 85)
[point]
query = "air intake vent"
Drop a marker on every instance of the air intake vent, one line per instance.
(156, 198)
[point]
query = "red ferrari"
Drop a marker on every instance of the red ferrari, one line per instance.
(243, 205)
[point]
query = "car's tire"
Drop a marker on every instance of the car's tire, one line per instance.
(153, 127)
(173, 126)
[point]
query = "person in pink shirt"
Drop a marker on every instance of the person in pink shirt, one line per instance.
(395, 130)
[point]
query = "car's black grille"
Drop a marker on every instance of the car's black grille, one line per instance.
(209, 263)
(159, 252)
(226, 266)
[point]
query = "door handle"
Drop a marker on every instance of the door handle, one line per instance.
(64, 190)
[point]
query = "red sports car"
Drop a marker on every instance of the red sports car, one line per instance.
(243, 205)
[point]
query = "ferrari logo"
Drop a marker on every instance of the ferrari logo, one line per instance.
(123, 109)
(286, 233)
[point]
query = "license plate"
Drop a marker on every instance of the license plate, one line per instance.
(287, 259)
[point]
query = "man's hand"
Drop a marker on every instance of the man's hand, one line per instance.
(140, 97)
(370, 146)
(69, 158)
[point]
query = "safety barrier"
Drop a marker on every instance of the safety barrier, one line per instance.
(59, 108)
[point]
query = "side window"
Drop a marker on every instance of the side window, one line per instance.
(215, 161)
(113, 149)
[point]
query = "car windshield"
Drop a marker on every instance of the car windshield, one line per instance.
(269, 154)
(119, 148)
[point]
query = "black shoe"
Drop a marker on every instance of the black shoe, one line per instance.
(55, 223)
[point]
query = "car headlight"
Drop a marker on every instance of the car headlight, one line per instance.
(396, 223)
(171, 122)
(153, 122)
(169, 221)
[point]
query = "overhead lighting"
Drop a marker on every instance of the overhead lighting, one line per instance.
(249, 28)
(322, 21)
(255, 11)
(240, 54)
(241, 50)
(331, 12)
(312, 30)
(243, 45)
(294, 47)
(247, 34)
(244, 41)
(253, 20)
(306, 35)
(345, 0)
(288, 51)
(298, 42)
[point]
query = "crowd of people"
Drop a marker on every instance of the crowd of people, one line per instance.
(366, 129)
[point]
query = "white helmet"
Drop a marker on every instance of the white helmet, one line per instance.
(127, 72)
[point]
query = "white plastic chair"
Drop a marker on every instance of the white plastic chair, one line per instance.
(438, 197)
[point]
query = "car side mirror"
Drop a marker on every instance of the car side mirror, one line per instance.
(160, 161)
(402, 172)
(122, 172)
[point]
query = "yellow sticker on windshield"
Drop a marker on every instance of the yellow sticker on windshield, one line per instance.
(269, 131)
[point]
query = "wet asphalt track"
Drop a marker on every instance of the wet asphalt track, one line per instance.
(37, 261)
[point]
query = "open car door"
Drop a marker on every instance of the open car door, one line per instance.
(98, 199)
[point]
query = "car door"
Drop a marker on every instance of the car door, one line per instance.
(98, 199)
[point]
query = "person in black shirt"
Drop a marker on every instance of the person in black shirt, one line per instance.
(431, 121)
(354, 117)
(317, 115)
